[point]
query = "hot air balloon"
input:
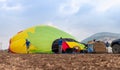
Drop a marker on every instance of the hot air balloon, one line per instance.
(41, 39)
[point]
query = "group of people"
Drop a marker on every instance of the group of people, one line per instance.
(91, 49)
(60, 41)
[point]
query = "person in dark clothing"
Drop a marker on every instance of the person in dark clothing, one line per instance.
(27, 45)
(107, 44)
(60, 45)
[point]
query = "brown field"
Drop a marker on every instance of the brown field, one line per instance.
(9, 61)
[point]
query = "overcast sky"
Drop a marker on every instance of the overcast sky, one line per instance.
(80, 18)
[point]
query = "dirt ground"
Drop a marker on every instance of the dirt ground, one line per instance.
(9, 61)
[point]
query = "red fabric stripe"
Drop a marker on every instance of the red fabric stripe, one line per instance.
(9, 50)
(65, 46)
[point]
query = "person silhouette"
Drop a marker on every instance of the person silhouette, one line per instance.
(27, 45)
(107, 44)
(60, 45)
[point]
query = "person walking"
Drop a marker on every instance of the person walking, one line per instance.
(60, 45)
(27, 45)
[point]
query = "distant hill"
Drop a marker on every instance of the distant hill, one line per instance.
(103, 36)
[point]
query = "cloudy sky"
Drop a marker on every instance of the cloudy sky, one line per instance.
(81, 18)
